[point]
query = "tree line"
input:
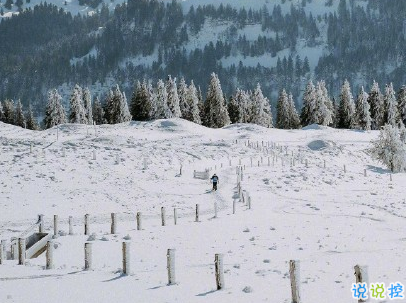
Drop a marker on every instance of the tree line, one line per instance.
(169, 99)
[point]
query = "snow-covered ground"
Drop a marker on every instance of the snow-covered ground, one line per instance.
(328, 219)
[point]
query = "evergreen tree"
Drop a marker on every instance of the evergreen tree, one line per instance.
(192, 100)
(376, 103)
(402, 104)
(391, 105)
(54, 113)
(119, 111)
(237, 107)
(31, 121)
(294, 116)
(327, 113)
(363, 111)
(108, 107)
(19, 115)
(173, 98)
(98, 112)
(87, 102)
(309, 105)
(200, 104)
(1, 113)
(152, 101)
(216, 115)
(233, 110)
(141, 103)
(9, 112)
(183, 104)
(262, 108)
(162, 108)
(282, 111)
(346, 107)
(77, 111)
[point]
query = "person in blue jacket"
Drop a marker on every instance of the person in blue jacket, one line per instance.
(215, 180)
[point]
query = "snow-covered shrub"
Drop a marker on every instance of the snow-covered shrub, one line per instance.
(390, 149)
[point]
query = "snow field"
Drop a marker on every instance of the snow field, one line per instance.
(328, 219)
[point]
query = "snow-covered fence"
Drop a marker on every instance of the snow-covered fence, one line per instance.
(204, 175)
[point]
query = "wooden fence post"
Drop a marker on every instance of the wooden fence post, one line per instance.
(139, 221)
(390, 177)
(87, 227)
(126, 258)
(218, 264)
(365, 172)
(249, 201)
(234, 202)
(113, 223)
(170, 256)
(294, 271)
(361, 276)
(63, 152)
(215, 209)
(88, 256)
(70, 225)
(50, 256)
(2, 254)
(40, 223)
(175, 216)
(197, 213)
(56, 227)
(163, 216)
(345, 169)
(21, 251)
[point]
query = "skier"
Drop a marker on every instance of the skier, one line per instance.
(215, 180)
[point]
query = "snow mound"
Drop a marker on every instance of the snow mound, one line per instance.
(314, 126)
(318, 145)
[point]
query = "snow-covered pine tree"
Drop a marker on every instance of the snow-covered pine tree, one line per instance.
(183, 104)
(402, 104)
(77, 111)
(282, 111)
(200, 104)
(192, 100)
(215, 110)
(9, 111)
(262, 108)
(54, 113)
(19, 115)
(152, 101)
(121, 113)
(391, 105)
(98, 112)
(87, 102)
(326, 115)
(346, 108)
(140, 102)
(294, 116)
(108, 107)
(309, 105)
(31, 122)
(363, 111)
(162, 109)
(237, 106)
(173, 98)
(389, 149)
(376, 103)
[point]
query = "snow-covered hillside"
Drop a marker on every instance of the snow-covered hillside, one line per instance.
(327, 218)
